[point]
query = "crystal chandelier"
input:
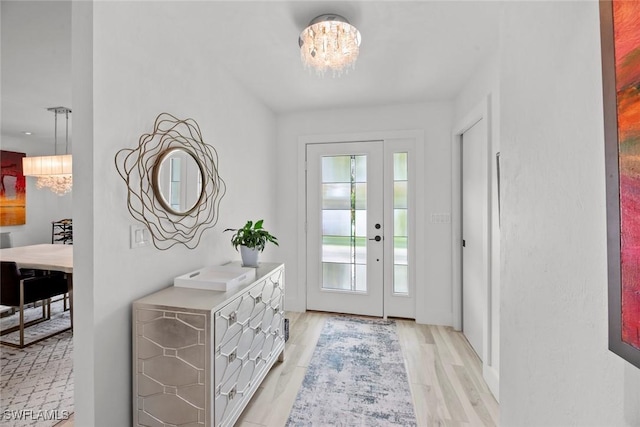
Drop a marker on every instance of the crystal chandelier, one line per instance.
(329, 43)
(53, 172)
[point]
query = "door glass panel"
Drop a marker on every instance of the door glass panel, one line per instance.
(401, 279)
(400, 224)
(336, 222)
(344, 223)
(400, 167)
(400, 196)
(336, 169)
(336, 276)
(336, 196)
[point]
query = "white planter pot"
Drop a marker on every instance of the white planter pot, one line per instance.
(249, 256)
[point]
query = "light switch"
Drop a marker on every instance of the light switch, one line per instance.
(139, 236)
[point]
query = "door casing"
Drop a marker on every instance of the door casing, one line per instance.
(481, 112)
(391, 139)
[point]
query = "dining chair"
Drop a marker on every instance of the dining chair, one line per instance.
(17, 290)
(5, 240)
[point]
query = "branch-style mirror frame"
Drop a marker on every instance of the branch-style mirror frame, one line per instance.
(138, 166)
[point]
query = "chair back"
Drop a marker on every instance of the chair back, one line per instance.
(5, 240)
(9, 283)
(35, 288)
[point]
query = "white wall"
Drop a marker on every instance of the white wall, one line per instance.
(483, 87)
(136, 63)
(43, 206)
(435, 120)
(556, 369)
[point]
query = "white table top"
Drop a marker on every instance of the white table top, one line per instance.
(41, 257)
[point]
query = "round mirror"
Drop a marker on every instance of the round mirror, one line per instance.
(177, 181)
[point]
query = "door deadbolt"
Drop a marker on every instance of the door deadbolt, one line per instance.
(378, 226)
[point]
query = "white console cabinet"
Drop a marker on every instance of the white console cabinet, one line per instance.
(198, 355)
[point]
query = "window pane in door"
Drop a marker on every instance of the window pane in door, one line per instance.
(400, 196)
(400, 279)
(344, 222)
(400, 167)
(336, 196)
(400, 226)
(336, 222)
(336, 276)
(336, 169)
(400, 223)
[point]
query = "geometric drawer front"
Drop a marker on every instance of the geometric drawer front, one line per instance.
(171, 362)
(246, 347)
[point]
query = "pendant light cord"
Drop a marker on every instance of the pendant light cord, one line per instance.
(66, 147)
(55, 134)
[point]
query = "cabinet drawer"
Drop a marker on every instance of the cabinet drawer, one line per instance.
(250, 307)
(235, 390)
(232, 354)
(232, 318)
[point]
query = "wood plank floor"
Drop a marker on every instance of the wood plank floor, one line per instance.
(444, 372)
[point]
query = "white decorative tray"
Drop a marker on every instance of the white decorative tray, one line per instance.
(216, 278)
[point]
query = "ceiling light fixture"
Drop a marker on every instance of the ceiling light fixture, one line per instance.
(330, 42)
(53, 172)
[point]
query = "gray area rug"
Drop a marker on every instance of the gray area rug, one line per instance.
(356, 377)
(36, 382)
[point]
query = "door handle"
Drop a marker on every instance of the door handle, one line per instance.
(377, 238)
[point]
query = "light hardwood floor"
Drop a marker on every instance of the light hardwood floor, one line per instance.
(444, 373)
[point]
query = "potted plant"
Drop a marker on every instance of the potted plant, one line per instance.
(252, 239)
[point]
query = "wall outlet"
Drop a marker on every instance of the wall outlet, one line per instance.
(139, 236)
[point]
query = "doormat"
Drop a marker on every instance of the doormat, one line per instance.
(356, 376)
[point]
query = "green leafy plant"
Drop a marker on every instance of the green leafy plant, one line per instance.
(252, 236)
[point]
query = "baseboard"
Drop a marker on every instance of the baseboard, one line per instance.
(442, 318)
(294, 304)
(492, 378)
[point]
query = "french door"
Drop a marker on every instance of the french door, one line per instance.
(359, 223)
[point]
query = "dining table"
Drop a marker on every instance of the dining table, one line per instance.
(48, 257)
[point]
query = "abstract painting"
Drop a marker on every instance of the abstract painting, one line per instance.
(12, 189)
(620, 40)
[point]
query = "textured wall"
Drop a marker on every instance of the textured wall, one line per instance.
(134, 68)
(556, 369)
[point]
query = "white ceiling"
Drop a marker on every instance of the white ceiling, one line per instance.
(411, 51)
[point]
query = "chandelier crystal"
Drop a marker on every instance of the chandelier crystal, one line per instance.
(53, 172)
(329, 43)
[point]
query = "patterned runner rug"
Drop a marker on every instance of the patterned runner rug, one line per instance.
(356, 377)
(36, 382)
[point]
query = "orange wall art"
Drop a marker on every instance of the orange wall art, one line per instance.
(13, 189)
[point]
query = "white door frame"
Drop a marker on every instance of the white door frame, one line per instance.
(388, 137)
(480, 113)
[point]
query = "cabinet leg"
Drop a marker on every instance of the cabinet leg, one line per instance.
(281, 356)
